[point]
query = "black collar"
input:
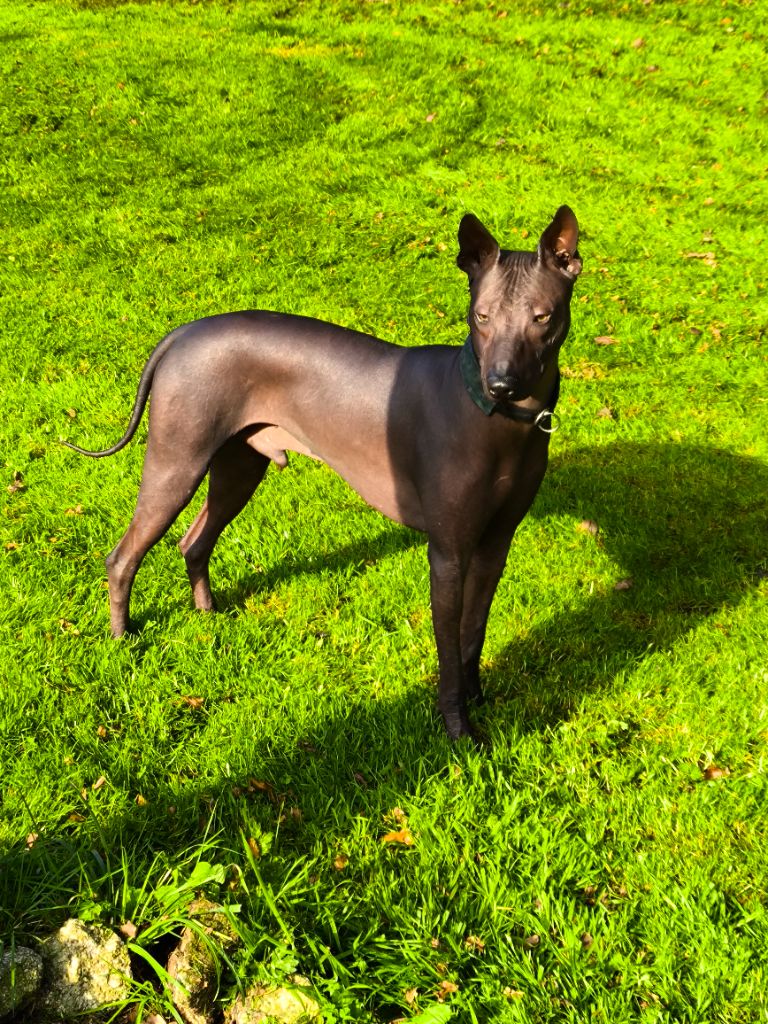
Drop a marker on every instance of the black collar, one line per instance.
(470, 374)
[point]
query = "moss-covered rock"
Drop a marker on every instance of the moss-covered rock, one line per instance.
(283, 1004)
(21, 971)
(85, 967)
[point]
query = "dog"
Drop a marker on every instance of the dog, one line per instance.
(447, 439)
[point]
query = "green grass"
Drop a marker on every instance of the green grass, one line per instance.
(162, 162)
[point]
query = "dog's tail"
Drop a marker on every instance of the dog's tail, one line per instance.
(142, 395)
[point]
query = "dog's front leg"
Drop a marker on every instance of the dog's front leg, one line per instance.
(483, 574)
(446, 584)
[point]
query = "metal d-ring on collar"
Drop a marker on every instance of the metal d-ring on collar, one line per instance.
(470, 375)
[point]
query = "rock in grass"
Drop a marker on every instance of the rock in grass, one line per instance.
(285, 1004)
(21, 971)
(85, 967)
(192, 965)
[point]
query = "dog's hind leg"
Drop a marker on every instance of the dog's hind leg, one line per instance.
(236, 471)
(167, 486)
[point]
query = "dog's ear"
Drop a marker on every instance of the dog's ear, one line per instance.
(478, 249)
(559, 245)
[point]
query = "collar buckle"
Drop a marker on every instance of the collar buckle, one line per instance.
(554, 421)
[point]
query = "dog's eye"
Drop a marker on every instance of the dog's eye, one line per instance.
(482, 318)
(542, 318)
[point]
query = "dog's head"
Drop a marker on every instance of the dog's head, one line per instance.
(519, 312)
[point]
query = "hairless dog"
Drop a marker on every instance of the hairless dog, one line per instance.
(446, 439)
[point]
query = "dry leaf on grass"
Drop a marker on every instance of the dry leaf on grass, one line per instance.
(474, 944)
(193, 702)
(402, 836)
(17, 484)
(447, 988)
(588, 526)
(254, 847)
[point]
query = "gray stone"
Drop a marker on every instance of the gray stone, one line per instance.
(285, 1004)
(21, 971)
(86, 967)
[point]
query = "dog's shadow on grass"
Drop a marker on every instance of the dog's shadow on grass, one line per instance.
(687, 528)
(353, 557)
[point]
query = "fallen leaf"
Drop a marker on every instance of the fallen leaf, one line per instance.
(254, 847)
(72, 413)
(128, 929)
(262, 787)
(474, 944)
(32, 839)
(512, 993)
(431, 117)
(586, 940)
(626, 584)
(141, 801)
(410, 995)
(98, 783)
(360, 779)
(402, 836)
(638, 44)
(101, 732)
(193, 702)
(340, 862)
(17, 484)
(12, 545)
(605, 339)
(708, 258)
(77, 510)
(713, 771)
(447, 988)
(531, 941)
(588, 526)
(605, 413)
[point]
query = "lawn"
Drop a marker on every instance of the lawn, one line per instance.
(602, 856)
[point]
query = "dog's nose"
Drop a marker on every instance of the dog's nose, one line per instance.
(501, 386)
